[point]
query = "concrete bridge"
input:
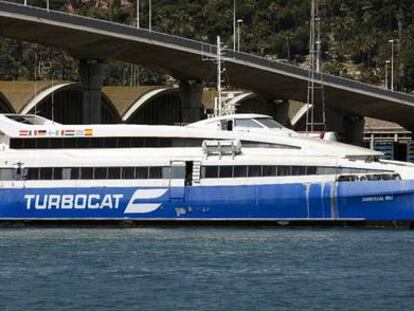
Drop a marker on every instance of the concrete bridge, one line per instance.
(93, 41)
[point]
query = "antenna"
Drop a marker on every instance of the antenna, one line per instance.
(220, 70)
(315, 114)
(221, 107)
(53, 91)
(35, 78)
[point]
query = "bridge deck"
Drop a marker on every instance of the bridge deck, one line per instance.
(87, 38)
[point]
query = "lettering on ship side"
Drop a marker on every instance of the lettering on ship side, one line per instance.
(72, 201)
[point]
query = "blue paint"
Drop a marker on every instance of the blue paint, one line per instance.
(373, 200)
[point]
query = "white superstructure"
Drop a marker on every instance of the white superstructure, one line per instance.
(257, 140)
(235, 167)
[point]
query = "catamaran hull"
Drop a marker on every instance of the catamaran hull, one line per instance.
(383, 201)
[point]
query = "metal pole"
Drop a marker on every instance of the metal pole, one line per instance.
(392, 65)
(386, 75)
(137, 13)
(238, 38)
(35, 78)
(25, 2)
(234, 25)
(218, 113)
(150, 15)
(48, 5)
(239, 22)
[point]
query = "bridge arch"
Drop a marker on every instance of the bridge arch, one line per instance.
(63, 103)
(157, 106)
(5, 105)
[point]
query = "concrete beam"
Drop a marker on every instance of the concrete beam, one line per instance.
(91, 73)
(191, 93)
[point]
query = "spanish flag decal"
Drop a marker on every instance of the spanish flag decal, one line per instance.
(88, 132)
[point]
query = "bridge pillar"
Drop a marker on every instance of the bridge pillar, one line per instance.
(91, 73)
(354, 129)
(191, 93)
(281, 111)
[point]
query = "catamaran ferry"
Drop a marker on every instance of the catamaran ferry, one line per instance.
(243, 168)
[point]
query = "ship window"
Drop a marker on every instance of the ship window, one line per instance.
(74, 173)
(269, 122)
(298, 170)
(166, 172)
(114, 172)
(84, 143)
(56, 143)
(110, 142)
(7, 173)
(142, 172)
(42, 143)
(326, 170)
(253, 144)
(46, 173)
(246, 123)
(66, 173)
(284, 170)
(69, 143)
(166, 142)
(211, 172)
(100, 172)
(151, 142)
(255, 171)
(155, 172)
(128, 172)
(137, 142)
(57, 173)
(124, 142)
(87, 173)
(32, 173)
(269, 170)
(240, 171)
(311, 170)
(97, 142)
(226, 171)
(17, 143)
(29, 143)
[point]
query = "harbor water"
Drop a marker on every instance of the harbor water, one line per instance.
(206, 269)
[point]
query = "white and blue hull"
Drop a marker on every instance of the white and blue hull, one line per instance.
(347, 201)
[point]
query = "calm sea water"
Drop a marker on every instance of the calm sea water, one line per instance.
(206, 269)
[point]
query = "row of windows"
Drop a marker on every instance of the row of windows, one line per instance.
(122, 142)
(59, 173)
(158, 172)
(96, 142)
(272, 170)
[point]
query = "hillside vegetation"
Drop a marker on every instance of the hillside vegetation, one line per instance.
(355, 35)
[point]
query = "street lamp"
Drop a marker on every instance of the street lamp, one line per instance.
(234, 25)
(137, 13)
(387, 62)
(239, 22)
(150, 15)
(392, 63)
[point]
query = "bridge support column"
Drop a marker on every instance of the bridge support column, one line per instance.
(281, 111)
(354, 129)
(91, 73)
(191, 93)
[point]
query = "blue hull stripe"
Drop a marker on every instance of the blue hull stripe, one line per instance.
(371, 201)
